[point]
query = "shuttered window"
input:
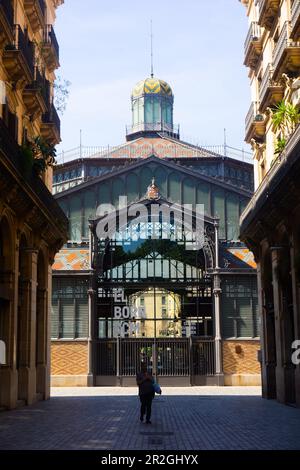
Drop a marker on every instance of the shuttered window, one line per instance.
(239, 307)
(55, 319)
(67, 320)
(70, 310)
(82, 318)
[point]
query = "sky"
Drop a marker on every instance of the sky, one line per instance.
(198, 50)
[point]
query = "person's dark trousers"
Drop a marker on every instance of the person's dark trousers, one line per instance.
(146, 403)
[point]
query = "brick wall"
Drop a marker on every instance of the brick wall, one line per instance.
(69, 358)
(240, 357)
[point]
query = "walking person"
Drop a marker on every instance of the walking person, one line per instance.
(145, 381)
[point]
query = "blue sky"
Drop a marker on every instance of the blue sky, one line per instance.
(198, 49)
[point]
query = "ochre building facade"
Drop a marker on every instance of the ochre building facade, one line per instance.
(270, 222)
(32, 225)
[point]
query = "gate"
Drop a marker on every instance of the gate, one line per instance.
(174, 361)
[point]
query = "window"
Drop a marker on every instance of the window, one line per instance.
(69, 308)
(240, 318)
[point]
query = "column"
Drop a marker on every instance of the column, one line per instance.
(281, 360)
(267, 330)
(42, 369)
(91, 300)
(217, 310)
(27, 331)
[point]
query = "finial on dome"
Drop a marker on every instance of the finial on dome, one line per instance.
(153, 191)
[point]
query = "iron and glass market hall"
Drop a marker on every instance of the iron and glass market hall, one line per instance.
(148, 292)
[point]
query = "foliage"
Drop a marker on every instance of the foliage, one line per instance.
(62, 92)
(280, 146)
(285, 118)
(38, 155)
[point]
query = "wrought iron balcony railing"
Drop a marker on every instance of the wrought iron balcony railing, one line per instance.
(295, 16)
(265, 83)
(50, 38)
(8, 11)
(284, 41)
(254, 122)
(51, 117)
(254, 34)
(44, 85)
(26, 47)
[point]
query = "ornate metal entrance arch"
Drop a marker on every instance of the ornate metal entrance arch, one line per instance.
(138, 267)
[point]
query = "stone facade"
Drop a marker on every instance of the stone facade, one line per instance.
(270, 222)
(32, 226)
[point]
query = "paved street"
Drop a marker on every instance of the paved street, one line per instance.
(183, 419)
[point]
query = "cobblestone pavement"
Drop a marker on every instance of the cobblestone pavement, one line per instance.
(183, 419)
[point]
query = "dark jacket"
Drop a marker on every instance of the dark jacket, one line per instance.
(145, 383)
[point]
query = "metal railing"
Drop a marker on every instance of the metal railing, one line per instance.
(26, 47)
(295, 13)
(170, 150)
(158, 126)
(266, 82)
(7, 8)
(50, 38)
(253, 116)
(250, 116)
(204, 362)
(51, 117)
(254, 34)
(42, 84)
(168, 357)
(284, 41)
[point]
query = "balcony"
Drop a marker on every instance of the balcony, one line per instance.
(36, 96)
(18, 57)
(50, 48)
(6, 22)
(253, 45)
(271, 92)
(267, 12)
(295, 19)
(255, 124)
(32, 186)
(286, 55)
(283, 173)
(35, 11)
(50, 129)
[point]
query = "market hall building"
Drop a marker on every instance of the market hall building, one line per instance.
(190, 313)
